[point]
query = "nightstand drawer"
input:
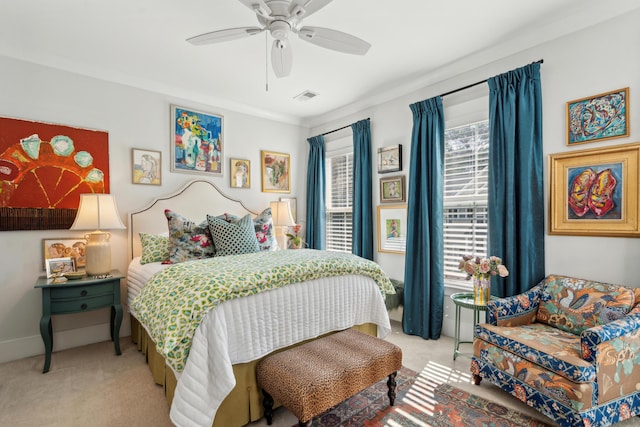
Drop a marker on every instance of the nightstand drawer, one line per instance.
(85, 304)
(87, 291)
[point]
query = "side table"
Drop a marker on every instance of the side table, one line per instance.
(75, 296)
(465, 299)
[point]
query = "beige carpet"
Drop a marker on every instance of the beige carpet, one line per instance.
(91, 386)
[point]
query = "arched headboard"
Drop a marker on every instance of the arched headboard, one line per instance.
(194, 201)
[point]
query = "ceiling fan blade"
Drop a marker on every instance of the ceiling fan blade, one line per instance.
(334, 40)
(281, 58)
(258, 6)
(224, 35)
(302, 8)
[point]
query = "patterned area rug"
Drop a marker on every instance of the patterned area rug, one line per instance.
(421, 402)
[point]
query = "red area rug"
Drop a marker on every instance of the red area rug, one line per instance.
(421, 403)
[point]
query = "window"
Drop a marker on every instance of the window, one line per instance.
(339, 179)
(466, 173)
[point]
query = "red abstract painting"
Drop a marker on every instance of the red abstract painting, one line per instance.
(43, 170)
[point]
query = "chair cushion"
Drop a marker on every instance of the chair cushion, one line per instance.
(544, 345)
(574, 304)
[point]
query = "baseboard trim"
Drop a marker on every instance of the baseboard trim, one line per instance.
(21, 348)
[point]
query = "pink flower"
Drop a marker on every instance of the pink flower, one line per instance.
(485, 266)
(502, 271)
(262, 237)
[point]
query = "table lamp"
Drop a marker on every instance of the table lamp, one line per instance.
(97, 212)
(282, 218)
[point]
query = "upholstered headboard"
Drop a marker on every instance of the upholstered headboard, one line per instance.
(194, 201)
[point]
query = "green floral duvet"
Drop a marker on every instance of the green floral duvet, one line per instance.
(174, 301)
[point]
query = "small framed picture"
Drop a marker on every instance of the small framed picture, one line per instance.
(390, 159)
(64, 248)
(275, 171)
(240, 173)
(598, 117)
(392, 189)
(392, 229)
(146, 166)
(56, 266)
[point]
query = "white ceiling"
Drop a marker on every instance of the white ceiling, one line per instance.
(142, 43)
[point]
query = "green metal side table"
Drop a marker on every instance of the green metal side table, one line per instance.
(465, 299)
(75, 296)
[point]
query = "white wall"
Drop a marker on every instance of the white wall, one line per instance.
(133, 118)
(590, 62)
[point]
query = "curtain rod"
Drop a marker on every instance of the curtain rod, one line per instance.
(540, 61)
(336, 130)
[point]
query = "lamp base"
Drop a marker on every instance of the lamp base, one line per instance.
(98, 253)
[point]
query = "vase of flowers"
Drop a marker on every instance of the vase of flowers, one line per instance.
(481, 269)
(296, 241)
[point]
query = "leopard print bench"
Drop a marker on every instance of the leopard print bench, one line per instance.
(311, 378)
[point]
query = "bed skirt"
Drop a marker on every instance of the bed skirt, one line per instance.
(245, 394)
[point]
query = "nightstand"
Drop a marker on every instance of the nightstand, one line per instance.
(75, 296)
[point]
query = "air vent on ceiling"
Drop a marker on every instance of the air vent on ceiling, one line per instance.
(305, 96)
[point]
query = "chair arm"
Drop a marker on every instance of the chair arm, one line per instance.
(592, 338)
(516, 310)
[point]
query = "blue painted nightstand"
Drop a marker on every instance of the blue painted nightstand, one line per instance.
(75, 296)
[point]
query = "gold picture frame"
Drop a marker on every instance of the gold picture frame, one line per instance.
(392, 228)
(146, 166)
(240, 176)
(598, 117)
(392, 189)
(275, 171)
(595, 192)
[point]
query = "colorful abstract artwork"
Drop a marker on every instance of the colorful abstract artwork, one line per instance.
(43, 170)
(594, 192)
(276, 172)
(197, 141)
(598, 117)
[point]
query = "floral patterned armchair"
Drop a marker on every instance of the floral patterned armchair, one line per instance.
(568, 347)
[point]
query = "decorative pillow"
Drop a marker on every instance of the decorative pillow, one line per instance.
(233, 238)
(574, 305)
(188, 239)
(265, 233)
(155, 248)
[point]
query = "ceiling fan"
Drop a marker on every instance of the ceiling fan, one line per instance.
(280, 18)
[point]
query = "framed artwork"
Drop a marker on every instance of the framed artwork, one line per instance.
(392, 189)
(390, 159)
(146, 166)
(240, 173)
(64, 247)
(392, 229)
(196, 141)
(598, 117)
(275, 171)
(54, 266)
(45, 167)
(293, 205)
(595, 192)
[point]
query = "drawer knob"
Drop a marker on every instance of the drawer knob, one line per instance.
(83, 306)
(83, 293)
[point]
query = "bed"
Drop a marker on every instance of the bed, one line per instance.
(216, 384)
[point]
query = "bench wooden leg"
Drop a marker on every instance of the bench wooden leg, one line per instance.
(304, 423)
(267, 403)
(476, 379)
(391, 383)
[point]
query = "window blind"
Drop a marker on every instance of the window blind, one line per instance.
(339, 167)
(466, 173)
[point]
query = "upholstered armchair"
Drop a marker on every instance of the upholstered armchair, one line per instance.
(568, 347)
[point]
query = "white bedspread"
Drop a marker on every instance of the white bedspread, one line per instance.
(246, 329)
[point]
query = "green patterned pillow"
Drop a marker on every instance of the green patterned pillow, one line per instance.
(233, 238)
(155, 248)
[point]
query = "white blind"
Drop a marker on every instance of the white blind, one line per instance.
(466, 173)
(339, 173)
